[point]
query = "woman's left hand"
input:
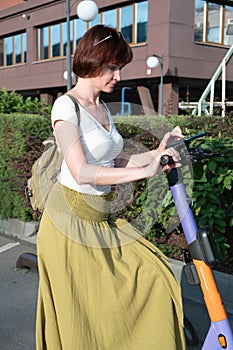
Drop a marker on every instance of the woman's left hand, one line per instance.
(169, 138)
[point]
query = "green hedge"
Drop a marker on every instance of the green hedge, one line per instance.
(21, 139)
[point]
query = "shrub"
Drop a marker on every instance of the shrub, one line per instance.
(20, 145)
(213, 193)
(12, 102)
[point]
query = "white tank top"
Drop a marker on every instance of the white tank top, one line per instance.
(100, 146)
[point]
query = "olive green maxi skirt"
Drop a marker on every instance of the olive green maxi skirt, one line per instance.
(102, 285)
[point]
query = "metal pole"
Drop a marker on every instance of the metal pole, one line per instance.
(68, 48)
(161, 85)
(223, 88)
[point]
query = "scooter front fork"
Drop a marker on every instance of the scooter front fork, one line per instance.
(219, 335)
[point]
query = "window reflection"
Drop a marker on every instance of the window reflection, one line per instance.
(1, 52)
(64, 38)
(198, 21)
(24, 47)
(9, 51)
(55, 40)
(45, 43)
(142, 20)
(95, 21)
(110, 18)
(127, 22)
(80, 29)
(228, 38)
(17, 48)
(214, 33)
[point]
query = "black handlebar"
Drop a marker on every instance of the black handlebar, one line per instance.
(196, 153)
(187, 140)
(166, 160)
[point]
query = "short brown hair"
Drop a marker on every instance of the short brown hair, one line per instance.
(92, 54)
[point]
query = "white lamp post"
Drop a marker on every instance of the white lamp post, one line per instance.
(153, 62)
(87, 10)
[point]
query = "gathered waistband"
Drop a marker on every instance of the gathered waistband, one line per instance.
(88, 206)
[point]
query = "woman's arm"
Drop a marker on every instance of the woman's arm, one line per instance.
(84, 173)
(145, 158)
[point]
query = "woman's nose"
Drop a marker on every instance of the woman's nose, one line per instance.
(117, 75)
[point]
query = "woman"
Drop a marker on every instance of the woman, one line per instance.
(102, 285)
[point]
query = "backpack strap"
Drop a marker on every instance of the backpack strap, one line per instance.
(76, 106)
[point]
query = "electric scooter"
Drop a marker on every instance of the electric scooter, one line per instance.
(201, 256)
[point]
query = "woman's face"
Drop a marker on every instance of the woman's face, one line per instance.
(108, 79)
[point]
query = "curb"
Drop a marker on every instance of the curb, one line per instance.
(25, 231)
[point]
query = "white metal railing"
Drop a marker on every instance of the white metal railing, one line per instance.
(201, 106)
(211, 86)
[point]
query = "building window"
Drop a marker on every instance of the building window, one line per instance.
(126, 23)
(131, 20)
(228, 20)
(80, 28)
(13, 50)
(63, 39)
(199, 20)
(55, 41)
(141, 21)
(43, 40)
(8, 46)
(110, 18)
(211, 21)
(52, 41)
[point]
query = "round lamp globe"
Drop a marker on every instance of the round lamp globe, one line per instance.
(152, 62)
(87, 10)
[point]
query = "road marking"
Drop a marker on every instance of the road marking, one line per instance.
(8, 246)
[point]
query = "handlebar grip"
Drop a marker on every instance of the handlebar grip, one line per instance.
(165, 159)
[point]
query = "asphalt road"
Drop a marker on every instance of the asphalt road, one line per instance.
(18, 298)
